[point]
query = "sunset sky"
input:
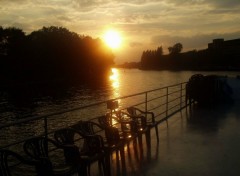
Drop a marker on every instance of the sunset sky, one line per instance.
(143, 24)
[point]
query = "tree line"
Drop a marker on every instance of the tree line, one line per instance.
(220, 58)
(51, 55)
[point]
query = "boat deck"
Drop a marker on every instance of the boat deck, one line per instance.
(197, 141)
(205, 142)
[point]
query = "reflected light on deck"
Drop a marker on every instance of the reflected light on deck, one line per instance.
(114, 122)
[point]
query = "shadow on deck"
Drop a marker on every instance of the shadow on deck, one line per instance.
(200, 142)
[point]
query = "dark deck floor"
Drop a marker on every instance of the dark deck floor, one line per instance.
(204, 142)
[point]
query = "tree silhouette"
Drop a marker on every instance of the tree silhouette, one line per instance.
(12, 49)
(11, 40)
(159, 51)
(150, 58)
(175, 49)
(52, 54)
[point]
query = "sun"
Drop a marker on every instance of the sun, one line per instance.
(112, 39)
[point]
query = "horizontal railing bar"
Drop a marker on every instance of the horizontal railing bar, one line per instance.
(168, 116)
(123, 97)
(174, 99)
(78, 108)
(143, 102)
(154, 108)
(173, 107)
(164, 112)
(157, 98)
(19, 142)
(174, 92)
(182, 104)
(171, 114)
(158, 106)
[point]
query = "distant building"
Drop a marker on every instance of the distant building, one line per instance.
(229, 47)
(219, 55)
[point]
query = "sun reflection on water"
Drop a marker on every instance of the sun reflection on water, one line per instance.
(114, 78)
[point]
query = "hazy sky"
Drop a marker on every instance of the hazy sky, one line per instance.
(143, 24)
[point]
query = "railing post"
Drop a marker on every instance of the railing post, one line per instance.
(167, 106)
(146, 100)
(181, 97)
(46, 127)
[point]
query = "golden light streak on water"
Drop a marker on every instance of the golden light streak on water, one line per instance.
(114, 78)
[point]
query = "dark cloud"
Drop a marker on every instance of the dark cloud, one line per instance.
(216, 3)
(193, 42)
(224, 7)
(135, 44)
(64, 18)
(15, 1)
(184, 2)
(224, 3)
(136, 2)
(90, 5)
(225, 11)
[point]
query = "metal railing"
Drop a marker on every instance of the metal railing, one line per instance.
(164, 102)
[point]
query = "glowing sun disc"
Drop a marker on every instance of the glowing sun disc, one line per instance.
(112, 39)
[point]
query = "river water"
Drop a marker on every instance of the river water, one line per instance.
(123, 82)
